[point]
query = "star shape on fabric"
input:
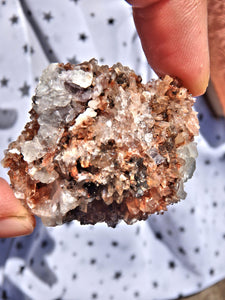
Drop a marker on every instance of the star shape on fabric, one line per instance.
(158, 235)
(44, 244)
(14, 19)
(83, 37)
(73, 60)
(211, 272)
(111, 21)
(47, 16)
(4, 82)
(172, 265)
(181, 250)
(3, 3)
(25, 48)
(75, 1)
(4, 295)
(31, 50)
(19, 245)
(117, 275)
(25, 89)
(21, 269)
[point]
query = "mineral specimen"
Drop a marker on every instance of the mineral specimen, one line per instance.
(103, 147)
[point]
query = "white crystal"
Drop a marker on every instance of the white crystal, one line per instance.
(109, 123)
(78, 77)
(32, 150)
(14, 151)
(148, 137)
(89, 112)
(42, 175)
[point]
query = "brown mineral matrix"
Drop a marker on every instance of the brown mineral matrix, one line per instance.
(103, 147)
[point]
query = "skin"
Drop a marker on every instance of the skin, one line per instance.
(15, 220)
(174, 37)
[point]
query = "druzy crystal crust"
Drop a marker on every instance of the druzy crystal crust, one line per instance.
(103, 147)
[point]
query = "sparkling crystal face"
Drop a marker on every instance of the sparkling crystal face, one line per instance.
(103, 147)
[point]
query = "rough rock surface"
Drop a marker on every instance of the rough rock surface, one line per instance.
(101, 146)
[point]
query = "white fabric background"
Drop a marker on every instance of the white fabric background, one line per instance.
(178, 253)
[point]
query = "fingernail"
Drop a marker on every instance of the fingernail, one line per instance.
(16, 226)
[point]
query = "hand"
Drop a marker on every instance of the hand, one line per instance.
(15, 220)
(174, 38)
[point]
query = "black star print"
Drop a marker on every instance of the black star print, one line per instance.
(83, 37)
(200, 117)
(136, 294)
(44, 244)
(31, 261)
(158, 235)
(94, 296)
(3, 2)
(75, 1)
(4, 82)
(222, 158)
(42, 263)
(217, 253)
(73, 60)
(31, 50)
(14, 20)
(47, 16)
(181, 229)
(111, 21)
(117, 275)
(196, 250)
(192, 211)
(4, 295)
(181, 250)
(207, 162)
(172, 265)
(211, 272)
(21, 269)
(93, 261)
(25, 89)
(132, 257)
(114, 243)
(137, 230)
(19, 245)
(25, 48)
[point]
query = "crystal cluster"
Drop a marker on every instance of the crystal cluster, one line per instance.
(103, 147)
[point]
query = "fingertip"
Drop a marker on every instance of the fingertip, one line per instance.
(16, 226)
(197, 85)
(174, 39)
(10, 206)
